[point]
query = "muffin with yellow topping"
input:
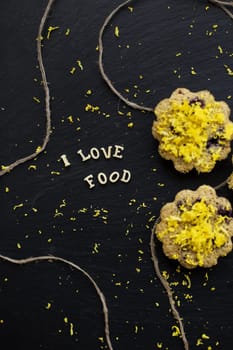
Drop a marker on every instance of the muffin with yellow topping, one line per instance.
(196, 228)
(193, 130)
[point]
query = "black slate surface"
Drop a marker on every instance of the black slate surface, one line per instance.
(106, 229)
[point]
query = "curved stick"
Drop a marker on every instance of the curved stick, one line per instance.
(223, 5)
(71, 264)
(167, 288)
(8, 168)
(101, 66)
(227, 3)
(222, 184)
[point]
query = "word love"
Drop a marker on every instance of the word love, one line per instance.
(107, 153)
(115, 151)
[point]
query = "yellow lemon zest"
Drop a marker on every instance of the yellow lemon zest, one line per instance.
(198, 228)
(185, 129)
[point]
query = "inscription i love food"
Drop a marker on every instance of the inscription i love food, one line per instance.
(112, 151)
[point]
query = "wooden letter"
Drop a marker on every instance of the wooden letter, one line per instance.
(102, 178)
(114, 177)
(126, 176)
(95, 153)
(89, 180)
(117, 153)
(84, 158)
(107, 153)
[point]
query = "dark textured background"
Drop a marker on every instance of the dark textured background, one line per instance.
(150, 37)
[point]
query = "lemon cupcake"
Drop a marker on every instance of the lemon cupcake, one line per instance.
(196, 228)
(193, 130)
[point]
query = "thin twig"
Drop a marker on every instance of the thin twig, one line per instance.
(221, 184)
(167, 287)
(8, 168)
(223, 5)
(228, 12)
(101, 66)
(77, 267)
(227, 3)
